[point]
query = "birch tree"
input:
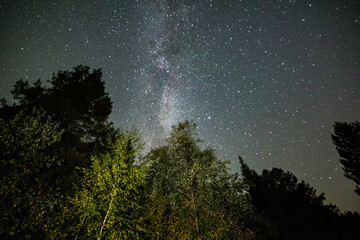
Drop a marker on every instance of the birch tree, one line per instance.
(187, 186)
(109, 203)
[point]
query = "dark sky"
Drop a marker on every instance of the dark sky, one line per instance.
(262, 79)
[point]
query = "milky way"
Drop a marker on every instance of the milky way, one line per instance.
(262, 79)
(163, 69)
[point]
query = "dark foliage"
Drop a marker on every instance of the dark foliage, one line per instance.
(77, 101)
(294, 208)
(346, 137)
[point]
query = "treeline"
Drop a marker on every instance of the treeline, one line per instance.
(67, 173)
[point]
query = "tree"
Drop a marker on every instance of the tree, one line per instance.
(190, 191)
(76, 100)
(294, 208)
(108, 204)
(346, 137)
(28, 186)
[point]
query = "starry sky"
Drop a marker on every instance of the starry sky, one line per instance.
(263, 79)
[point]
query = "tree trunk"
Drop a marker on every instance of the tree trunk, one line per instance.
(107, 214)
(196, 218)
(82, 224)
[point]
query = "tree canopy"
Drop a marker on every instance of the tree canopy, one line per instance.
(108, 203)
(66, 173)
(75, 99)
(346, 137)
(294, 209)
(192, 195)
(28, 183)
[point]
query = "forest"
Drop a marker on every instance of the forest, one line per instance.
(68, 173)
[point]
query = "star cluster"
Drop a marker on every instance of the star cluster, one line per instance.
(262, 79)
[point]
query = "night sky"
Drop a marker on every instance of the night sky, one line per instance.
(262, 79)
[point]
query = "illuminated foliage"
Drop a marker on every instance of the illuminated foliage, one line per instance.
(108, 204)
(191, 192)
(28, 188)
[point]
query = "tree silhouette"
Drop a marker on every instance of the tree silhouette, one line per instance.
(294, 207)
(346, 137)
(77, 101)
